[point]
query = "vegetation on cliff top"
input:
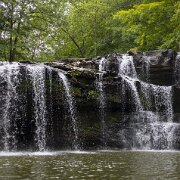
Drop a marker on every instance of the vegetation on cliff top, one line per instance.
(44, 30)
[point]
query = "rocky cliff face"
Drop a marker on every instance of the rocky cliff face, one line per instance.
(160, 68)
(118, 101)
(155, 67)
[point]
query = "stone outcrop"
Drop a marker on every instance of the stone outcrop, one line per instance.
(105, 100)
(156, 67)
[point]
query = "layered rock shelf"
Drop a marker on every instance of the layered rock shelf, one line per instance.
(117, 101)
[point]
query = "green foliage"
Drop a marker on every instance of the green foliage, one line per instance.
(46, 30)
(93, 94)
(151, 26)
(27, 30)
(76, 91)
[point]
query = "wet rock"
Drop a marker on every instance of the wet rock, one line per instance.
(176, 99)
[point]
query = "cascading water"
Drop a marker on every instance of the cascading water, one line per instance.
(163, 100)
(160, 127)
(9, 96)
(102, 98)
(50, 76)
(126, 67)
(128, 74)
(37, 74)
(147, 112)
(70, 101)
(152, 129)
(35, 82)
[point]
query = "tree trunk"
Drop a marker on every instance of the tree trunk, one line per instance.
(74, 41)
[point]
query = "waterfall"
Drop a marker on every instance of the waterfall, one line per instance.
(158, 132)
(35, 112)
(37, 74)
(162, 96)
(163, 100)
(50, 76)
(153, 121)
(102, 98)
(15, 78)
(128, 74)
(150, 133)
(9, 97)
(70, 102)
(126, 66)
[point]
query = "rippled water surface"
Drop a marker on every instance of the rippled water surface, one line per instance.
(91, 165)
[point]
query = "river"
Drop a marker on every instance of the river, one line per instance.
(140, 165)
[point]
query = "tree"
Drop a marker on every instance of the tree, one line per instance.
(149, 25)
(44, 30)
(15, 14)
(84, 28)
(28, 28)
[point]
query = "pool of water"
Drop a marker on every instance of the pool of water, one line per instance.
(91, 165)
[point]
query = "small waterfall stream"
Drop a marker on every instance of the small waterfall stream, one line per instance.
(37, 74)
(70, 102)
(146, 67)
(128, 74)
(102, 98)
(9, 96)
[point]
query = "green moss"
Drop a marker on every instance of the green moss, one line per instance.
(93, 94)
(25, 85)
(74, 75)
(146, 102)
(109, 78)
(76, 91)
(90, 130)
(113, 97)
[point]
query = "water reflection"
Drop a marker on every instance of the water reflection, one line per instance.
(97, 165)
